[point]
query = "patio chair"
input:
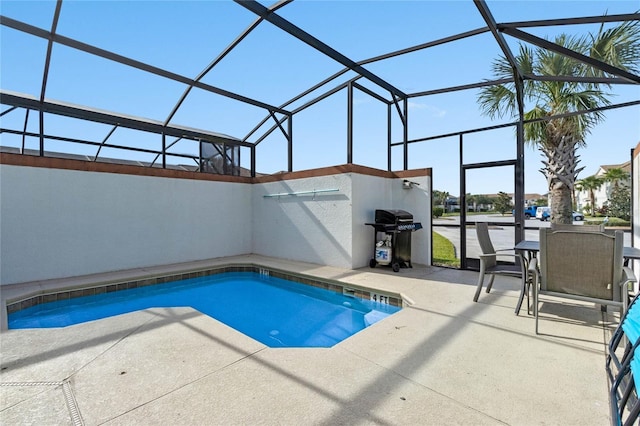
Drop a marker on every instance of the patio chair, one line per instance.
(586, 266)
(623, 369)
(489, 264)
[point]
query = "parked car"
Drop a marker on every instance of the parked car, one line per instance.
(543, 213)
(529, 212)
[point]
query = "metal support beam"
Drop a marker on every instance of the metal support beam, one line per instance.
(253, 160)
(24, 131)
(104, 141)
(295, 111)
(99, 116)
(75, 44)
(164, 150)
(279, 124)
(546, 44)
(350, 124)
(389, 137)
(41, 135)
(405, 135)
(463, 205)
(571, 21)
(93, 143)
(307, 38)
(290, 143)
(371, 60)
(8, 110)
(493, 27)
(519, 166)
(219, 58)
(462, 87)
(47, 60)
(578, 79)
(370, 92)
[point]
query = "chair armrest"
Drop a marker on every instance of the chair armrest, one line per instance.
(508, 255)
(496, 255)
(627, 277)
(503, 250)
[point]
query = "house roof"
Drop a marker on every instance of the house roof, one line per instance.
(626, 166)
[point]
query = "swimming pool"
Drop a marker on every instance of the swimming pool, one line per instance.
(272, 310)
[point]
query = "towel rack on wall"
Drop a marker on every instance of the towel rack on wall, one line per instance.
(313, 192)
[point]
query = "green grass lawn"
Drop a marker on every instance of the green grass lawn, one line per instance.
(613, 221)
(444, 252)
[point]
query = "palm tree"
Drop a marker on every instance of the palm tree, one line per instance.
(440, 198)
(559, 139)
(615, 176)
(591, 184)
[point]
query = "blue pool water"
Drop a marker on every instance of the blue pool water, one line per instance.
(276, 312)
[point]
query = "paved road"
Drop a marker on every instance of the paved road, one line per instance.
(502, 237)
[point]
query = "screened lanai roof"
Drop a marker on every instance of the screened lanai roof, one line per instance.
(294, 84)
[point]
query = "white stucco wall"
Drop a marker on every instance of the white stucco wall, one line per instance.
(58, 223)
(371, 193)
(417, 201)
(330, 228)
(307, 228)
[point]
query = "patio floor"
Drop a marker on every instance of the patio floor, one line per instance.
(442, 360)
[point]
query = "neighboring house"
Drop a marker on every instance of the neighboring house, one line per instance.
(451, 204)
(602, 194)
(530, 199)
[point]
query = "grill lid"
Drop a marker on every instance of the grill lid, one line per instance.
(393, 216)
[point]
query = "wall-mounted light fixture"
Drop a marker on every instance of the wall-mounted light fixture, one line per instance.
(407, 184)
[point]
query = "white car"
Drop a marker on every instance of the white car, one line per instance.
(577, 216)
(543, 213)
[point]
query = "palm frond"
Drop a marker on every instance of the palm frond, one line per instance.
(618, 46)
(502, 68)
(535, 131)
(498, 101)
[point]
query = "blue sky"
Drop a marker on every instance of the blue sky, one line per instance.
(271, 66)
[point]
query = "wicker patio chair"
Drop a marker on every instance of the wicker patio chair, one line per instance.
(489, 264)
(586, 266)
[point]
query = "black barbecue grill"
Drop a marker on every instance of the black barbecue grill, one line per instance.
(392, 238)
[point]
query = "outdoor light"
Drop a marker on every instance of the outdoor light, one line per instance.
(407, 184)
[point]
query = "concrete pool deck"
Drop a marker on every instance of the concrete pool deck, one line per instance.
(442, 360)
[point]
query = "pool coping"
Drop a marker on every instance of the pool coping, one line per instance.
(23, 296)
